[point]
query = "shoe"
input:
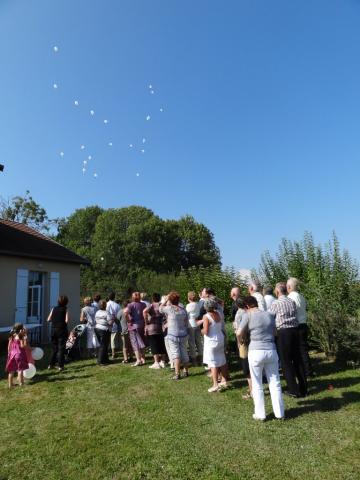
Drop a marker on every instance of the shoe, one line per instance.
(213, 389)
(162, 364)
(136, 364)
(125, 361)
(155, 366)
(223, 385)
(176, 377)
(50, 367)
(291, 395)
(60, 369)
(258, 418)
(247, 396)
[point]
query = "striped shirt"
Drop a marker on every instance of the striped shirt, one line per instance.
(285, 311)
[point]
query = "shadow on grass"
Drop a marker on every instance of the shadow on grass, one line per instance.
(327, 404)
(57, 377)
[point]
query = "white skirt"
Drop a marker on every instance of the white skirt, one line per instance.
(92, 341)
(214, 352)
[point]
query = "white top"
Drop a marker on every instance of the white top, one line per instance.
(193, 310)
(260, 300)
(269, 299)
(214, 352)
(113, 308)
(300, 306)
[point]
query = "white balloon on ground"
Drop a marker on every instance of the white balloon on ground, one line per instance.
(37, 353)
(30, 372)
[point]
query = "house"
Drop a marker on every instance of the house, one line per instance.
(34, 270)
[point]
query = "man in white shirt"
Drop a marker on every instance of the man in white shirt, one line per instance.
(269, 298)
(253, 291)
(113, 309)
(195, 339)
(292, 287)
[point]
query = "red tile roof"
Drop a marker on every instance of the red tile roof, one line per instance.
(20, 240)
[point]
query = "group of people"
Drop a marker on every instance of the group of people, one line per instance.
(266, 327)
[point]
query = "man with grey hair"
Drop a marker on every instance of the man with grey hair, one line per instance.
(234, 294)
(292, 287)
(287, 329)
(254, 292)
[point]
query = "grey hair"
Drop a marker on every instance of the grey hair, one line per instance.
(210, 304)
(293, 283)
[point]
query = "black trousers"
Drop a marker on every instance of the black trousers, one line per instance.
(103, 337)
(292, 365)
(304, 348)
(58, 340)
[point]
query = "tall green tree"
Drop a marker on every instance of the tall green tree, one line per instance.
(26, 210)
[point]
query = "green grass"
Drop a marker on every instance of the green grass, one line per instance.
(119, 422)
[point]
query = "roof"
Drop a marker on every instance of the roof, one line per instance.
(20, 240)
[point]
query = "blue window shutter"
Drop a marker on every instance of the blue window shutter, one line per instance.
(22, 286)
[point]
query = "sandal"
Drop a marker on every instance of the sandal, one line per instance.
(125, 361)
(247, 396)
(176, 377)
(213, 389)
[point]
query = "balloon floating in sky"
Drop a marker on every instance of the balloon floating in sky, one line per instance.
(95, 175)
(89, 157)
(84, 170)
(148, 117)
(131, 145)
(85, 162)
(110, 144)
(138, 174)
(161, 109)
(56, 49)
(61, 154)
(143, 140)
(82, 147)
(142, 150)
(150, 86)
(106, 121)
(55, 86)
(92, 112)
(152, 92)
(76, 103)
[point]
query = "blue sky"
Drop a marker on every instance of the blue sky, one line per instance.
(259, 137)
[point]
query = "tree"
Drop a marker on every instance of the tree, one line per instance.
(329, 280)
(26, 210)
(77, 231)
(197, 245)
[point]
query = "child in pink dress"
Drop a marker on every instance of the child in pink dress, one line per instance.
(17, 359)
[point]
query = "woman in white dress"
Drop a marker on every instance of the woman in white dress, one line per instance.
(214, 341)
(87, 316)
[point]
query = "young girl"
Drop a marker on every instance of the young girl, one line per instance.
(17, 360)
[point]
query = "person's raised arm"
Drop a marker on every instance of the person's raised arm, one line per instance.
(50, 315)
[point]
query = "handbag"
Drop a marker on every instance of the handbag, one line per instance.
(244, 344)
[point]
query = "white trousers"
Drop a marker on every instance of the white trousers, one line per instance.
(260, 360)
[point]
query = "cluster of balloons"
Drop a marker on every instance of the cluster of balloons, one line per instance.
(33, 354)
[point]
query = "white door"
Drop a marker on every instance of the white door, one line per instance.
(34, 304)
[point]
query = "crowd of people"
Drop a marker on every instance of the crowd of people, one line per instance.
(266, 326)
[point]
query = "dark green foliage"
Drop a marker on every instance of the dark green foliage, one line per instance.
(329, 281)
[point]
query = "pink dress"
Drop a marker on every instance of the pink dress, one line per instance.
(17, 360)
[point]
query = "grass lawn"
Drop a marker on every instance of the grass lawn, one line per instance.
(118, 422)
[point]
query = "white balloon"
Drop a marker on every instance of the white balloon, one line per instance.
(142, 150)
(30, 372)
(106, 121)
(37, 353)
(148, 117)
(92, 112)
(150, 86)
(152, 92)
(61, 154)
(89, 157)
(56, 49)
(131, 145)
(110, 144)
(95, 175)
(84, 170)
(138, 174)
(143, 140)
(161, 109)
(55, 85)
(82, 147)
